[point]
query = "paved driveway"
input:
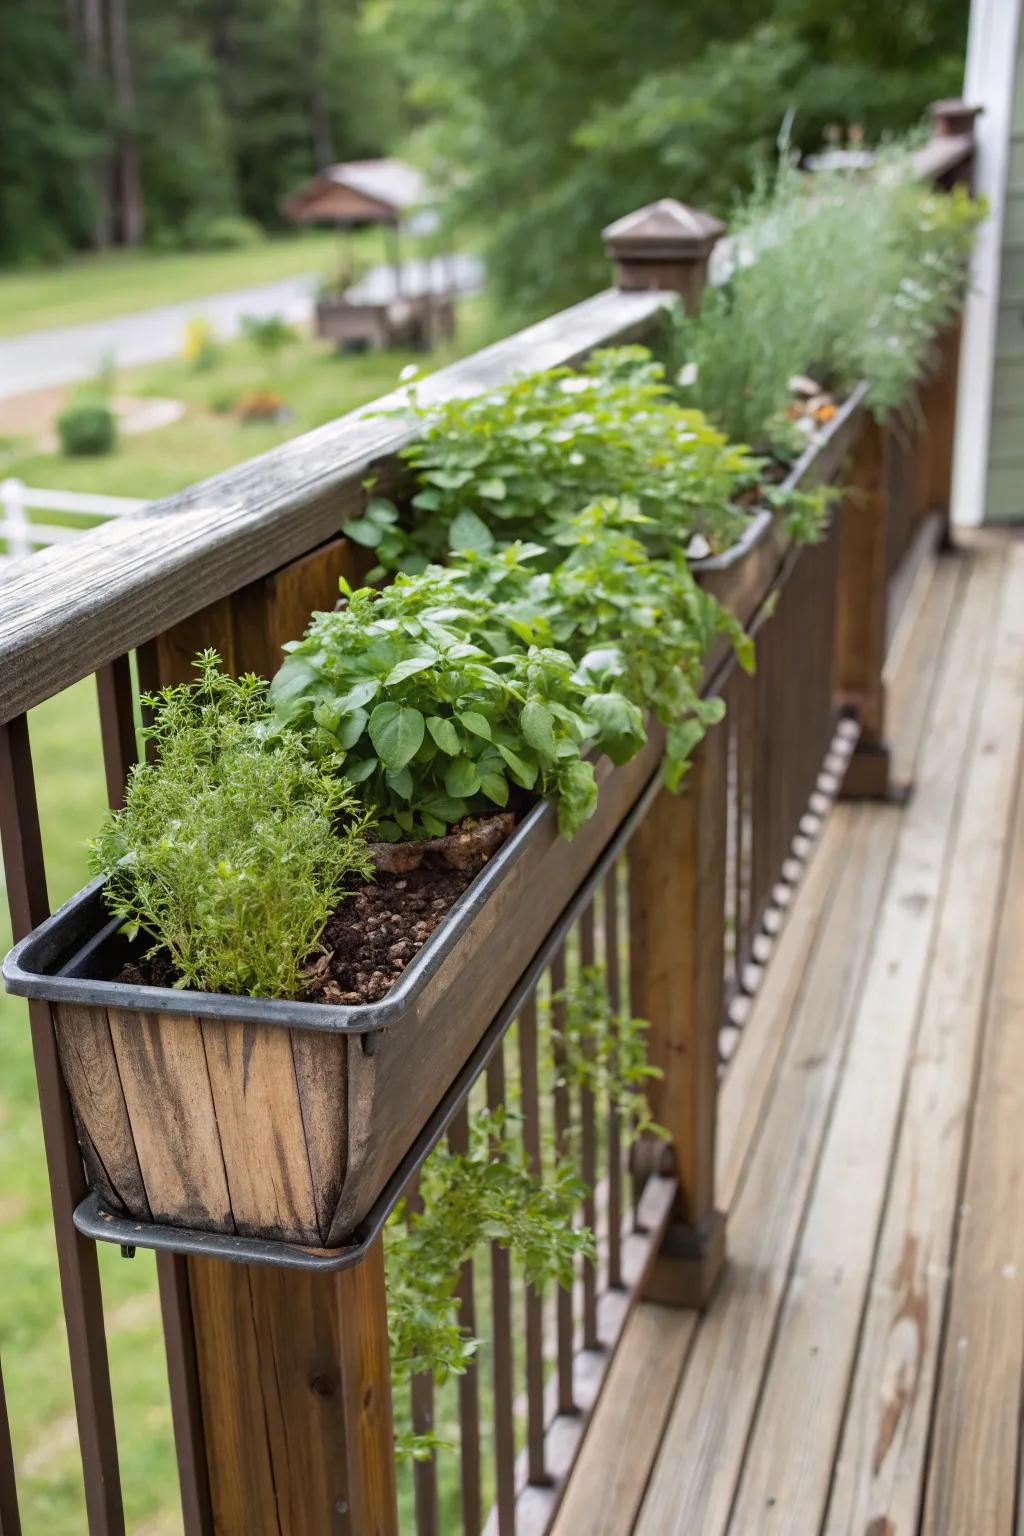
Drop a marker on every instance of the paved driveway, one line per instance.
(68, 353)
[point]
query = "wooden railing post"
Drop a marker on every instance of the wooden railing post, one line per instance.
(677, 933)
(938, 394)
(296, 1394)
(861, 608)
(293, 1368)
(665, 245)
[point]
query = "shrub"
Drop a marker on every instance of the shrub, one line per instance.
(268, 333)
(233, 848)
(87, 426)
(222, 232)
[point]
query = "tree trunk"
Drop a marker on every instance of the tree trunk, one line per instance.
(319, 112)
(91, 30)
(127, 165)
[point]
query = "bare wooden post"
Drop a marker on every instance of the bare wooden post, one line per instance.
(950, 119)
(860, 610)
(664, 245)
(677, 871)
(677, 936)
(293, 1367)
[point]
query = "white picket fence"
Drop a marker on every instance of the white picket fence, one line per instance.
(22, 536)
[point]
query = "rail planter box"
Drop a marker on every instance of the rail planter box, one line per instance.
(286, 1120)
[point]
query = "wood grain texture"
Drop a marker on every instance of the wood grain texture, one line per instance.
(697, 1470)
(860, 615)
(677, 901)
(73, 609)
(105, 1136)
(788, 1463)
(261, 1131)
(366, 1393)
(610, 1475)
(976, 1432)
(879, 1470)
(162, 1066)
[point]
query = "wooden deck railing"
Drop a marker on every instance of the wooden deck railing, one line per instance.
(280, 1387)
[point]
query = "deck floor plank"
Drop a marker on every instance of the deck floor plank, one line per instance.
(975, 1454)
(859, 1371)
(787, 1467)
(878, 1475)
(693, 1484)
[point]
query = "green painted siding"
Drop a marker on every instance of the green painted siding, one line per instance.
(1005, 488)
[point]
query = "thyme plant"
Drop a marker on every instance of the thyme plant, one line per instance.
(233, 847)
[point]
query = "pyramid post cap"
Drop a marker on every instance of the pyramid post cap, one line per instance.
(664, 230)
(952, 117)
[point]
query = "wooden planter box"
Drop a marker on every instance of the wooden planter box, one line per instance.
(285, 1120)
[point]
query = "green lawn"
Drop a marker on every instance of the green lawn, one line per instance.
(310, 377)
(114, 283)
(65, 740)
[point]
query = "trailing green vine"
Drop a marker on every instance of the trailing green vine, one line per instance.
(598, 1048)
(486, 1194)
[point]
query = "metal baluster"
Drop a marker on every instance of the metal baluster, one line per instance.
(613, 977)
(79, 1270)
(501, 1322)
(588, 1154)
(563, 1122)
(421, 1393)
(469, 1381)
(534, 1300)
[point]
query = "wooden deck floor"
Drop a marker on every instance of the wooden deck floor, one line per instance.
(859, 1370)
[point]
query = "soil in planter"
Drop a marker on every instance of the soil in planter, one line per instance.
(377, 930)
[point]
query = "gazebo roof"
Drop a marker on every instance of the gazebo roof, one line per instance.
(359, 192)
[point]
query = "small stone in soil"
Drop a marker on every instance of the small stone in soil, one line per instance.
(376, 932)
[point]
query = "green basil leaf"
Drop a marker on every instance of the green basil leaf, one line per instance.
(461, 778)
(363, 531)
(408, 668)
(359, 771)
(468, 531)
(396, 731)
(444, 733)
(475, 722)
(495, 787)
(524, 773)
(537, 725)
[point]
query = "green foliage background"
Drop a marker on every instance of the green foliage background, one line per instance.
(548, 118)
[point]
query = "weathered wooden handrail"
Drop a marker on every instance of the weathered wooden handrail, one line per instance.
(67, 612)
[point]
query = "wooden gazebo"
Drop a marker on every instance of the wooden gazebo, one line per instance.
(356, 194)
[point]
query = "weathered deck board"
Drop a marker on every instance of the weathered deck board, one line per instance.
(788, 1462)
(782, 1062)
(859, 1372)
(878, 1475)
(975, 1444)
(700, 1466)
